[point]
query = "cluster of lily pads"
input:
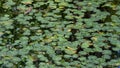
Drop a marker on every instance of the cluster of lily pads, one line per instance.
(59, 33)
